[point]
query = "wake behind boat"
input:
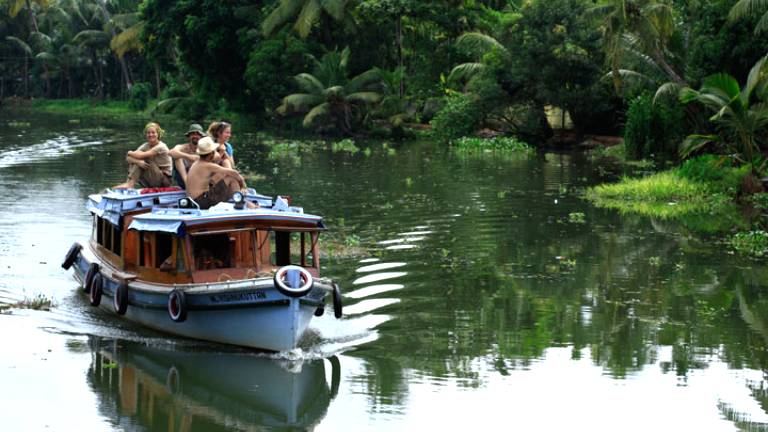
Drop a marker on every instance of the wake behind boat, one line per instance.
(228, 274)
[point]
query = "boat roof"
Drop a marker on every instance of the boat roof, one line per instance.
(166, 216)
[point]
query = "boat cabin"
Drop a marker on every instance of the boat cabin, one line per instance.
(150, 237)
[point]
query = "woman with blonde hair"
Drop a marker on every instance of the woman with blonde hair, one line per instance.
(220, 132)
(150, 164)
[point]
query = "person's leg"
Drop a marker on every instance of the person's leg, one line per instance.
(153, 177)
(134, 173)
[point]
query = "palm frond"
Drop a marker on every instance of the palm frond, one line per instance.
(364, 97)
(666, 90)
(757, 74)
(693, 143)
(128, 40)
(746, 8)
(280, 16)
(478, 44)
(323, 109)
(762, 25)
(309, 83)
(308, 16)
(631, 75)
(465, 71)
(299, 102)
(126, 20)
(168, 105)
(365, 80)
(92, 37)
(334, 8)
(20, 44)
(45, 57)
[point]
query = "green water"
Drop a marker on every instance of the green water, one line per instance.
(480, 291)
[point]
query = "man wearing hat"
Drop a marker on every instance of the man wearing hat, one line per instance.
(184, 155)
(208, 183)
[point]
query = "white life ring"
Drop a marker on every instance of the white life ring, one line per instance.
(305, 276)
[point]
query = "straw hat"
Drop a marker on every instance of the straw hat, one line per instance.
(205, 146)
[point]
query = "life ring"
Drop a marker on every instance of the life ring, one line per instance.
(336, 300)
(71, 256)
(177, 306)
(93, 270)
(306, 278)
(95, 290)
(120, 300)
(173, 380)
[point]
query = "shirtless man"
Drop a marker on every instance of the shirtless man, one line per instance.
(208, 183)
(184, 155)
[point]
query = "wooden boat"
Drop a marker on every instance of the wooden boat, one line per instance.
(229, 274)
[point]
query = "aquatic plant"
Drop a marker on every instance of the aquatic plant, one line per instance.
(491, 144)
(754, 243)
(576, 217)
(346, 145)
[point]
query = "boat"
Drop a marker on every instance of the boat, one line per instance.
(230, 274)
(197, 389)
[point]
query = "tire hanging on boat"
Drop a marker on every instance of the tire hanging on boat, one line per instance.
(336, 300)
(93, 270)
(71, 256)
(95, 291)
(304, 288)
(177, 306)
(120, 300)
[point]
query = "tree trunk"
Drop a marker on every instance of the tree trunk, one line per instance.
(399, 37)
(26, 76)
(32, 17)
(123, 65)
(157, 78)
(659, 57)
(47, 81)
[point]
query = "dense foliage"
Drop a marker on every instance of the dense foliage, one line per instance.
(460, 65)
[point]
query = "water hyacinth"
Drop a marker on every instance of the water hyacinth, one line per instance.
(754, 243)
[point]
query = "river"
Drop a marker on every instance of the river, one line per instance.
(481, 291)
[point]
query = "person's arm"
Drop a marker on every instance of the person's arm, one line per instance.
(139, 162)
(181, 169)
(177, 153)
(158, 149)
(228, 172)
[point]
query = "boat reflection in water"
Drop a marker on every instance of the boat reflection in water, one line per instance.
(149, 388)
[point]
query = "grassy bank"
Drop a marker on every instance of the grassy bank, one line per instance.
(701, 194)
(85, 107)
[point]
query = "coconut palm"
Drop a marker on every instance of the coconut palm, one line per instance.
(306, 12)
(651, 26)
(478, 45)
(27, 50)
(327, 94)
(747, 8)
(740, 114)
(15, 6)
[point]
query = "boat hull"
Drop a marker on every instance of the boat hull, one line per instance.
(250, 313)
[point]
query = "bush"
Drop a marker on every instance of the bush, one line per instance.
(140, 94)
(653, 130)
(459, 117)
(713, 169)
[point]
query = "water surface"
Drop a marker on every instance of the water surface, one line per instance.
(474, 296)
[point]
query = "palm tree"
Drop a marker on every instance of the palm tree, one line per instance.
(327, 93)
(747, 8)
(650, 26)
(478, 45)
(23, 46)
(740, 114)
(15, 6)
(306, 12)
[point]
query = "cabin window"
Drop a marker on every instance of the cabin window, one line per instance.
(291, 248)
(214, 251)
(164, 251)
(108, 235)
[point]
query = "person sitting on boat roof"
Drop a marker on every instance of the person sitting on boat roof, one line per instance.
(150, 164)
(184, 155)
(209, 183)
(221, 131)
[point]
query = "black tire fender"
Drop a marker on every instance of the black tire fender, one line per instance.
(336, 300)
(177, 306)
(96, 289)
(71, 256)
(120, 300)
(93, 270)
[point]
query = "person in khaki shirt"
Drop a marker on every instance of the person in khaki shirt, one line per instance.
(150, 164)
(208, 183)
